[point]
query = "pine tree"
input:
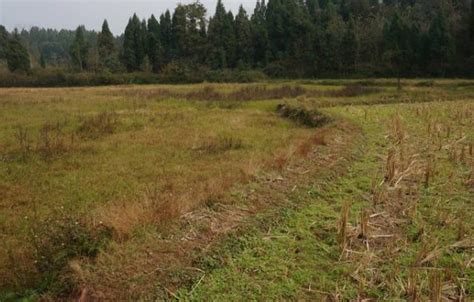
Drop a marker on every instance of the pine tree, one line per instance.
(350, 47)
(260, 34)
(313, 9)
(79, 49)
(155, 50)
(471, 29)
(165, 35)
(396, 38)
(133, 53)
(333, 32)
(243, 34)
(107, 49)
(442, 48)
(221, 36)
(3, 42)
(17, 55)
(178, 32)
(105, 43)
(42, 61)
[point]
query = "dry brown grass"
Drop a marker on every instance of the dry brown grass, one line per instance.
(342, 226)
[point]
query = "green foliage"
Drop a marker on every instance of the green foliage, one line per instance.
(243, 39)
(310, 118)
(221, 36)
(350, 47)
(154, 45)
(134, 43)
(79, 50)
(107, 49)
(17, 56)
(57, 240)
(286, 39)
(3, 42)
(441, 45)
(398, 49)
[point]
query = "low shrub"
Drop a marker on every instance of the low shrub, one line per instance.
(353, 91)
(220, 143)
(57, 240)
(309, 118)
(98, 125)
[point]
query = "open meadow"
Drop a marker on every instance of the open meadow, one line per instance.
(303, 190)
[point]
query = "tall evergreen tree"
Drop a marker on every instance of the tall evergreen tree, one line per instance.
(79, 49)
(442, 46)
(350, 47)
(178, 32)
(260, 34)
(166, 35)
(106, 48)
(17, 55)
(133, 53)
(155, 50)
(222, 39)
(243, 35)
(471, 28)
(396, 44)
(334, 29)
(313, 9)
(105, 42)
(3, 42)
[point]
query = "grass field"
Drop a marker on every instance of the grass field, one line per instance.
(354, 190)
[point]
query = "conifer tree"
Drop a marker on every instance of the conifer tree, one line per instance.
(221, 36)
(442, 47)
(42, 61)
(166, 35)
(260, 34)
(350, 47)
(178, 32)
(105, 42)
(471, 29)
(243, 33)
(397, 44)
(133, 53)
(107, 49)
(17, 55)
(313, 9)
(155, 50)
(3, 42)
(79, 49)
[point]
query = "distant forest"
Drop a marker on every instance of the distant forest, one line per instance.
(281, 38)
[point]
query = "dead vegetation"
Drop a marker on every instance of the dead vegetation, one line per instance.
(210, 93)
(150, 234)
(199, 227)
(414, 165)
(50, 142)
(310, 118)
(222, 143)
(95, 126)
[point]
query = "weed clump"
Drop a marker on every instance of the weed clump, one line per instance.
(219, 144)
(99, 125)
(309, 118)
(48, 246)
(50, 142)
(353, 91)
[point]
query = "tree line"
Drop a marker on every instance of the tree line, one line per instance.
(283, 38)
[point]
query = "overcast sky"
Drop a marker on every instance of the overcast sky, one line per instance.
(71, 13)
